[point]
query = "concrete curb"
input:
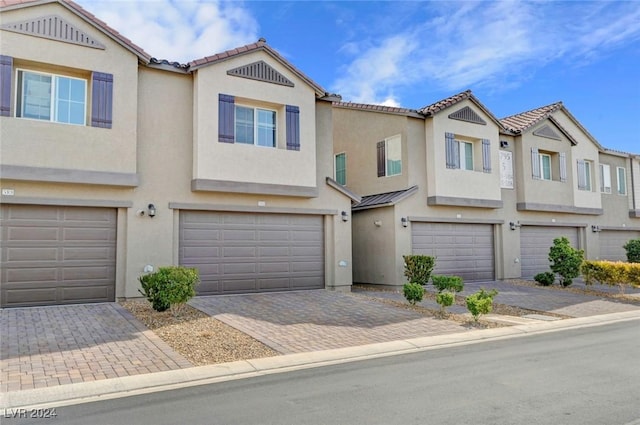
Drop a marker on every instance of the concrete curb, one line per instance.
(70, 394)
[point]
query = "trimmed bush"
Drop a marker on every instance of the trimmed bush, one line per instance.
(633, 250)
(169, 286)
(418, 268)
(611, 273)
(445, 299)
(565, 260)
(480, 303)
(545, 279)
(413, 292)
(447, 283)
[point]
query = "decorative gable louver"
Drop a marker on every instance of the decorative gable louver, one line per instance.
(54, 28)
(547, 132)
(261, 71)
(467, 114)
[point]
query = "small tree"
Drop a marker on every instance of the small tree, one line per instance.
(480, 303)
(169, 287)
(545, 279)
(417, 268)
(447, 287)
(565, 260)
(633, 250)
(413, 292)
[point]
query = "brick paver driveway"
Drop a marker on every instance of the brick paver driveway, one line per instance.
(293, 322)
(50, 346)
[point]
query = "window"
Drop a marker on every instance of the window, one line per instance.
(622, 180)
(584, 175)
(389, 153)
(255, 126)
(340, 173)
(545, 166)
(460, 154)
(605, 178)
(548, 165)
(51, 97)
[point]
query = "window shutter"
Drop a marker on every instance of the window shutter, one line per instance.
(563, 166)
(582, 181)
(486, 155)
(622, 181)
(102, 100)
(226, 118)
(535, 164)
(452, 151)
(381, 159)
(293, 128)
(6, 70)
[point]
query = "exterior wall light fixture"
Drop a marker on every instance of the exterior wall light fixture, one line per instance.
(345, 216)
(514, 225)
(152, 210)
(404, 221)
(595, 229)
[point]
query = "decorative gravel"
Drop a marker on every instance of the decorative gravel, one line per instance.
(200, 338)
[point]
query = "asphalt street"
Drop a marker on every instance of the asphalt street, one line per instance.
(578, 376)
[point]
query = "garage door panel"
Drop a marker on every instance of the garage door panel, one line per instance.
(31, 254)
(82, 273)
(254, 247)
(86, 253)
(462, 249)
(28, 234)
(535, 242)
(29, 297)
(16, 276)
(205, 252)
(86, 293)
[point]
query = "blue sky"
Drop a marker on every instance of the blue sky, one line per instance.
(514, 56)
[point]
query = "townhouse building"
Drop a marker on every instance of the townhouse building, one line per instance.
(115, 163)
(485, 196)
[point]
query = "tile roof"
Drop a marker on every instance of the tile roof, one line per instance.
(522, 121)
(90, 18)
(434, 108)
(261, 44)
(384, 199)
(377, 108)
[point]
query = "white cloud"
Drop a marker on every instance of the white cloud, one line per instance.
(490, 44)
(178, 30)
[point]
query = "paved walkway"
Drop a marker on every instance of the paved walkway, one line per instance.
(295, 322)
(49, 346)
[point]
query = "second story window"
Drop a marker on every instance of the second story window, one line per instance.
(461, 154)
(389, 152)
(549, 166)
(605, 178)
(466, 155)
(622, 180)
(255, 126)
(340, 173)
(545, 166)
(51, 97)
(584, 174)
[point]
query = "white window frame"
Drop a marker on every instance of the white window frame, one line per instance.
(394, 139)
(588, 173)
(335, 168)
(541, 156)
(256, 126)
(605, 178)
(624, 179)
(464, 165)
(54, 111)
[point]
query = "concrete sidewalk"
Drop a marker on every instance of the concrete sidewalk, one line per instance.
(161, 381)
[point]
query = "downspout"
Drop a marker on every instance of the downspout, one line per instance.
(633, 186)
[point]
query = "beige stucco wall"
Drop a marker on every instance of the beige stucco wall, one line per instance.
(247, 163)
(35, 143)
(374, 248)
(446, 182)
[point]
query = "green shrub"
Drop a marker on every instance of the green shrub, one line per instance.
(480, 302)
(611, 273)
(447, 283)
(413, 292)
(633, 274)
(545, 279)
(565, 260)
(418, 268)
(633, 250)
(169, 286)
(445, 299)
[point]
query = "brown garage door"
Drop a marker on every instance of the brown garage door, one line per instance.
(57, 255)
(612, 242)
(535, 242)
(247, 252)
(461, 249)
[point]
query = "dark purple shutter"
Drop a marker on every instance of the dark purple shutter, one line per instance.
(293, 128)
(102, 100)
(6, 70)
(381, 159)
(226, 118)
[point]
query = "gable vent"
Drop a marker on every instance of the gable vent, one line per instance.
(55, 28)
(261, 71)
(547, 132)
(467, 114)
